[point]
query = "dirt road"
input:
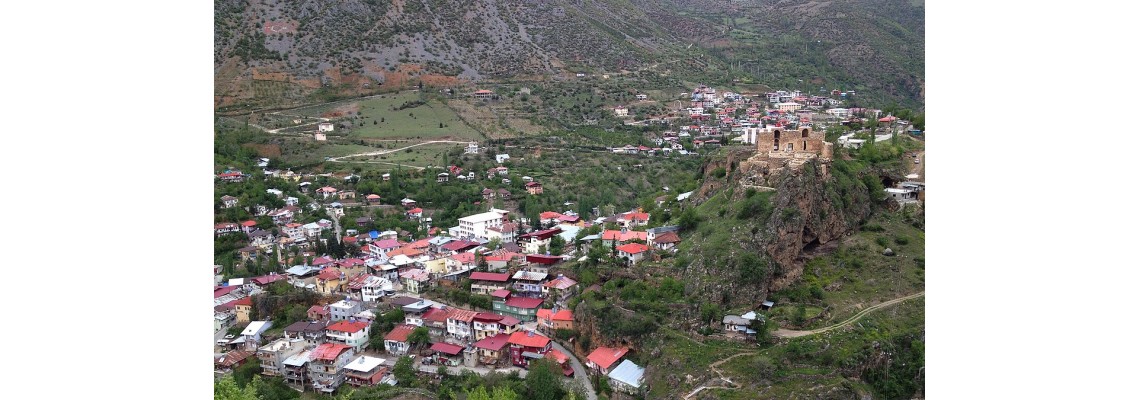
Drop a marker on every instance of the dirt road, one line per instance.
(382, 152)
(713, 366)
(790, 333)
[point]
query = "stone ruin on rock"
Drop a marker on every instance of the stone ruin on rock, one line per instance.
(779, 148)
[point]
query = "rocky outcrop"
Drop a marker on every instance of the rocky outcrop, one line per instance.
(809, 208)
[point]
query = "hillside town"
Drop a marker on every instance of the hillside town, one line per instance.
(336, 301)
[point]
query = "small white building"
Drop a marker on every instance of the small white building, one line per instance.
(788, 106)
(343, 309)
(320, 137)
(472, 148)
(621, 111)
(500, 158)
(627, 377)
(325, 127)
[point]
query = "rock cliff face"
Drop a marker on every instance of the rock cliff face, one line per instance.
(808, 208)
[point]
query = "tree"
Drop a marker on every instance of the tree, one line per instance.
(404, 373)
(227, 389)
(419, 336)
(542, 381)
(556, 245)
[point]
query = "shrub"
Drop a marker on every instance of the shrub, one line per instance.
(873, 228)
(901, 240)
(719, 172)
(881, 241)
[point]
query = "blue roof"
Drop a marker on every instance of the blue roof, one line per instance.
(374, 234)
(629, 373)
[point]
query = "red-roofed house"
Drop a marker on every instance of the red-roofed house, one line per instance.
(396, 341)
(549, 217)
(435, 319)
(632, 252)
(622, 236)
(330, 281)
(560, 288)
(415, 213)
(266, 280)
(459, 324)
(226, 227)
(666, 241)
(483, 94)
(487, 282)
(550, 321)
(317, 313)
(488, 324)
(352, 333)
(526, 346)
(523, 308)
(242, 309)
(326, 192)
(460, 262)
(603, 359)
(326, 366)
(372, 198)
(632, 219)
(491, 348)
(534, 188)
(447, 353)
(561, 359)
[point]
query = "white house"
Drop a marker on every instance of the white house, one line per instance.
(472, 148)
(376, 287)
(353, 333)
(621, 111)
(325, 127)
(475, 226)
(499, 158)
(343, 309)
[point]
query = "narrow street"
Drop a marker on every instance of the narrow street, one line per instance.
(579, 371)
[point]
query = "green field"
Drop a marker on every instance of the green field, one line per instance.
(420, 121)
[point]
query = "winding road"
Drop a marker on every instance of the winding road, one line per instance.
(579, 371)
(784, 333)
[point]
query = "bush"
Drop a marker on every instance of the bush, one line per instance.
(719, 172)
(873, 228)
(901, 240)
(565, 334)
(881, 241)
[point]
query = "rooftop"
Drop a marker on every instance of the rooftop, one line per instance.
(364, 364)
(605, 357)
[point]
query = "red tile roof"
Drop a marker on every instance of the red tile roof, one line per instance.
(462, 315)
(249, 223)
(633, 248)
(464, 258)
(543, 259)
(628, 235)
(400, 333)
(667, 237)
(328, 274)
(557, 356)
(605, 357)
(488, 317)
(224, 290)
(563, 315)
(436, 315)
(543, 313)
(494, 343)
(560, 283)
(267, 279)
(509, 321)
(541, 235)
(416, 210)
(549, 215)
(522, 339)
(348, 327)
(446, 348)
(318, 310)
(329, 351)
(635, 216)
(490, 276)
(501, 293)
(524, 302)
(244, 301)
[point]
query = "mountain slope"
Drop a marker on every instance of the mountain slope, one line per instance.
(277, 53)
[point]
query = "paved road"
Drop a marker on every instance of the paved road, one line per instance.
(849, 321)
(579, 371)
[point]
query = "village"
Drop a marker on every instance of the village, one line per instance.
(387, 274)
